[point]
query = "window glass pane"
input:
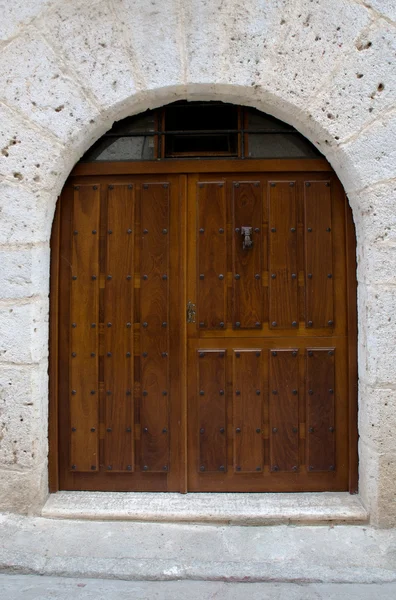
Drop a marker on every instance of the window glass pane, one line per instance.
(258, 120)
(280, 145)
(122, 148)
(139, 123)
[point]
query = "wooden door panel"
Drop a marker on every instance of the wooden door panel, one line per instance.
(212, 258)
(126, 341)
(284, 410)
(211, 393)
(318, 254)
(118, 333)
(248, 411)
(154, 327)
(282, 261)
(320, 393)
(247, 306)
(84, 311)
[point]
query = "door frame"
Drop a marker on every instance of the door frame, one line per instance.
(183, 168)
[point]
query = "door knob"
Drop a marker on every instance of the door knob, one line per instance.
(246, 233)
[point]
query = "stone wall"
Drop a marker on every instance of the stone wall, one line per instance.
(68, 70)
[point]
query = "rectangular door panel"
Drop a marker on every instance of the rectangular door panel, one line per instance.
(248, 411)
(318, 255)
(212, 257)
(154, 327)
(247, 305)
(211, 398)
(282, 237)
(118, 331)
(284, 410)
(84, 313)
(320, 409)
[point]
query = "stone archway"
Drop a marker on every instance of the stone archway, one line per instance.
(68, 71)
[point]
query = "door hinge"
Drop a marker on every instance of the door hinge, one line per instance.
(191, 312)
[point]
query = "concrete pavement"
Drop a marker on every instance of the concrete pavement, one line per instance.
(30, 587)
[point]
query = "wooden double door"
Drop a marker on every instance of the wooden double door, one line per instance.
(203, 333)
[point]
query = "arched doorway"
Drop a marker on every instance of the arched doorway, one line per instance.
(204, 309)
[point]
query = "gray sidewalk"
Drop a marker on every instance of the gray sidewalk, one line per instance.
(30, 587)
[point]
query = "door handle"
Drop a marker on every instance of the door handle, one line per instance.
(247, 237)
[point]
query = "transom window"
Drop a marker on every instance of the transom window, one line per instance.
(200, 129)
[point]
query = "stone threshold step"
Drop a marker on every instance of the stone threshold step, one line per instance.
(237, 509)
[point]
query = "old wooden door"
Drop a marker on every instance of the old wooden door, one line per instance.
(202, 332)
(268, 352)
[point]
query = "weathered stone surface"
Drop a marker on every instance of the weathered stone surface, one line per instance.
(89, 37)
(23, 416)
(243, 509)
(23, 270)
(168, 551)
(25, 215)
(24, 491)
(377, 417)
(363, 85)
(153, 33)
(15, 15)
(24, 331)
(377, 484)
(41, 87)
(61, 588)
(369, 158)
(29, 157)
(376, 304)
(387, 8)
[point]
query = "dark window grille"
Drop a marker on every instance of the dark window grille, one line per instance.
(200, 129)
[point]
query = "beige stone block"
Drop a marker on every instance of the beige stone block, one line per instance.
(23, 492)
(25, 215)
(15, 15)
(25, 271)
(23, 416)
(42, 88)
(370, 158)
(377, 485)
(89, 37)
(377, 417)
(153, 34)
(364, 83)
(24, 332)
(29, 157)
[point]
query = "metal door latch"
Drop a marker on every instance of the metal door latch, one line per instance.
(247, 237)
(191, 312)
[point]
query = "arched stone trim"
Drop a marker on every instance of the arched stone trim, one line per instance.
(69, 70)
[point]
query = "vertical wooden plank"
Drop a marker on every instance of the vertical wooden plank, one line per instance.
(283, 410)
(320, 425)
(282, 259)
(318, 255)
(211, 398)
(118, 331)
(84, 313)
(154, 311)
(212, 257)
(247, 303)
(248, 411)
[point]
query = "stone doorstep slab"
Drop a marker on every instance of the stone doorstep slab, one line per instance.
(137, 551)
(231, 508)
